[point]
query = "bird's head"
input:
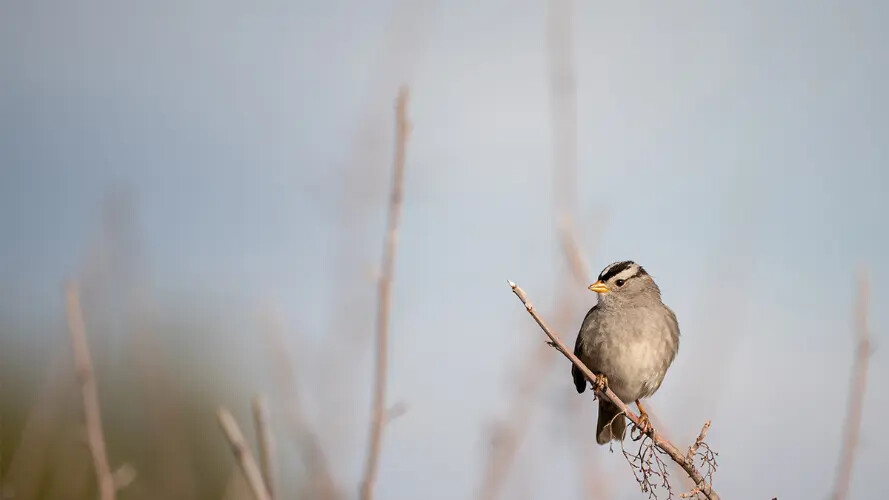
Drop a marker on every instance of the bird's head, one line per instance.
(625, 282)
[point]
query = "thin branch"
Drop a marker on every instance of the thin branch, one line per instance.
(603, 391)
(697, 444)
(378, 412)
(707, 457)
(242, 454)
(90, 393)
(267, 448)
(856, 394)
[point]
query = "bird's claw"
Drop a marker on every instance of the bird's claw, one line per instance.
(644, 424)
(601, 383)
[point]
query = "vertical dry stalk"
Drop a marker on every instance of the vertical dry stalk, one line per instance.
(378, 412)
(563, 101)
(86, 376)
(267, 448)
(242, 454)
(564, 120)
(666, 446)
(507, 435)
(856, 394)
(401, 48)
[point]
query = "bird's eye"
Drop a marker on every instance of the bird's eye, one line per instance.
(619, 282)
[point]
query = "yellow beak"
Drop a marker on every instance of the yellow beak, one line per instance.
(599, 287)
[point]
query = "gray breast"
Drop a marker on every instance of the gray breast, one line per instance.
(633, 347)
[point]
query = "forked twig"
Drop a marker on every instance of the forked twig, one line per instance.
(378, 411)
(856, 395)
(242, 454)
(603, 391)
(87, 378)
(707, 457)
(648, 467)
(697, 444)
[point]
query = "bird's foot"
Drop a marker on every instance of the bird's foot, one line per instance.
(601, 383)
(644, 424)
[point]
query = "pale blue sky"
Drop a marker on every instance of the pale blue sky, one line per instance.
(737, 150)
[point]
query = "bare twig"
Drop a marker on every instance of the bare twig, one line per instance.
(86, 376)
(242, 454)
(697, 444)
(648, 467)
(378, 412)
(707, 457)
(856, 395)
(603, 391)
(267, 448)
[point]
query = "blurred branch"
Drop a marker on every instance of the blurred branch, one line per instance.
(242, 454)
(31, 457)
(565, 158)
(86, 376)
(563, 105)
(603, 391)
(266, 445)
(378, 411)
(571, 249)
(856, 394)
(505, 438)
(321, 483)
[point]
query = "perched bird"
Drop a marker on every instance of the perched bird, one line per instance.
(630, 337)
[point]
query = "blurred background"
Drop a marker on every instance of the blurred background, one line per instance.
(215, 177)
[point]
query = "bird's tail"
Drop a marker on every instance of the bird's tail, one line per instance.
(611, 423)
